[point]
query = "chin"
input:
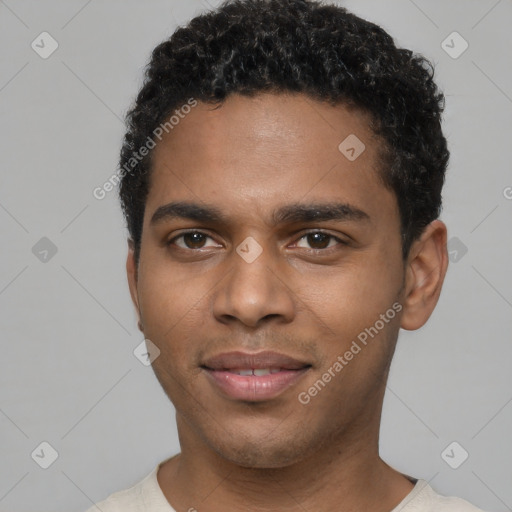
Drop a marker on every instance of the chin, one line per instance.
(260, 452)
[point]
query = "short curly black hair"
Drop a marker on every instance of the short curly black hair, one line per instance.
(304, 46)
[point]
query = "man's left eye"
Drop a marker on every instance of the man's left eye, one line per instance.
(319, 240)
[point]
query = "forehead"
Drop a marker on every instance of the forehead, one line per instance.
(252, 154)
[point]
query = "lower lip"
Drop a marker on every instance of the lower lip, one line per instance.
(254, 388)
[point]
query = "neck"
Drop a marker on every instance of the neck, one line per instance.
(344, 473)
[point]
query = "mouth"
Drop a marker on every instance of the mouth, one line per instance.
(253, 377)
(250, 372)
(254, 384)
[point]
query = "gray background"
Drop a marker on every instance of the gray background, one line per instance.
(68, 375)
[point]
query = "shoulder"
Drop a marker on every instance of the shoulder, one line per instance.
(424, 498)
(126, 500)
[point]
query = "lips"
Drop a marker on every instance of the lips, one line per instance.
(246, 361)
(253, 377)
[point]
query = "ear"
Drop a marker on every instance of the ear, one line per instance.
(425, 271)
(131, 272)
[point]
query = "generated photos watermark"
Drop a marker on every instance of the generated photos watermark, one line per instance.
(355, 348)
(137, 156)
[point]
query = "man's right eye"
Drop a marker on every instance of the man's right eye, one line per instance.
(190, 240)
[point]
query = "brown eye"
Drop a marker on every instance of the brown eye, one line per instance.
(190, 240)
(318, 240)
(194, 240)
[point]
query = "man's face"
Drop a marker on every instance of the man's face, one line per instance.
(315, 287)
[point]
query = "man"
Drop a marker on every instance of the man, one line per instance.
(281, 181)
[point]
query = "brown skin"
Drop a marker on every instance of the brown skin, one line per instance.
(197, 298)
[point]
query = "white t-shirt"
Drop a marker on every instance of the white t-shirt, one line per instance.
(147, 496)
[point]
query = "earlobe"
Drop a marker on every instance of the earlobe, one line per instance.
(425, 271)
(131, 272)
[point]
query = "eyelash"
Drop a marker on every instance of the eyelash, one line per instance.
(327, 249)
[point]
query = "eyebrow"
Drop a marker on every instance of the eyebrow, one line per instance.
(292, 213)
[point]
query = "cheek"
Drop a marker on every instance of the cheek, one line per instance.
(172, 306)
(362, 316)
(352, 297)
(166, 291)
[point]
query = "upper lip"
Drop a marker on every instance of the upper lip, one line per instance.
(267, 359)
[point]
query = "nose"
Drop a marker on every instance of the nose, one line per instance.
(253, 293)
